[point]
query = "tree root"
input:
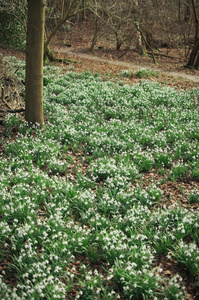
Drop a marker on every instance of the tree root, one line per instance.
(50, 57)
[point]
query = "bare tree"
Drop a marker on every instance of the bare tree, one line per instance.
(144, 26)
(117, 18)
(61, 11)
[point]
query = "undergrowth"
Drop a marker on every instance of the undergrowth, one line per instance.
(78, 219)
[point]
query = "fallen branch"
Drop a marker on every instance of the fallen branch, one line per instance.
(17, 110)
(164, 55)
(3, 98)
(6, 103)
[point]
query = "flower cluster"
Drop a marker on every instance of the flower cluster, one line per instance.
(78, 216)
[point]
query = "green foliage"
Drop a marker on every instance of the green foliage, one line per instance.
(180, 171)
(127, 73)
(136, 284)
(143, 73)
(194, 197)
(187, 256)
(12, 32)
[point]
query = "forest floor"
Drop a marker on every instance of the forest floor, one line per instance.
(169, 71)
(105, 60)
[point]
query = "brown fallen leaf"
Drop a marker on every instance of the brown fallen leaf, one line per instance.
(168, 273)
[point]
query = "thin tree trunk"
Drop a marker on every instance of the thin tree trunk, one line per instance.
(62, 9)
(193, 55)
(193, 59)
(197, 62)
(84, 10)
(95, 34)
(34, 62)
(179, 10)
(187, 14)
(118, 41)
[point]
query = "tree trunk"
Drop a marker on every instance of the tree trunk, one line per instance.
(118, 41)
(194, 55)
(141, 47)
(95, 34)
(34, 62)
(187, 14)
(84, 10)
